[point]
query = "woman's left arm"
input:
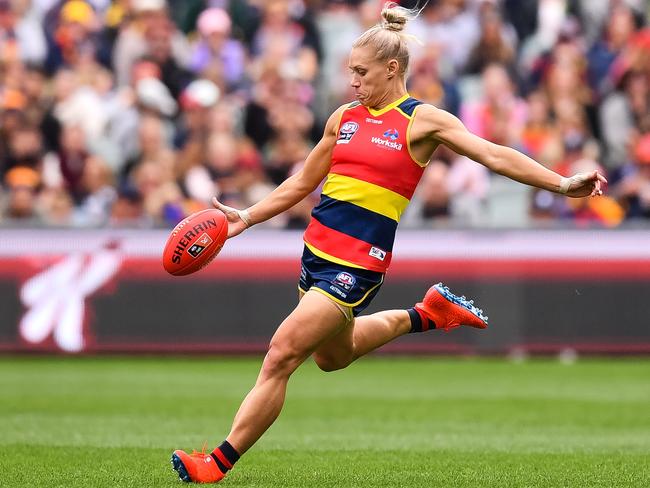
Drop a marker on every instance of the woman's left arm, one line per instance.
(446, 129)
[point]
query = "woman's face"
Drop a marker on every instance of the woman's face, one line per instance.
(370, 77)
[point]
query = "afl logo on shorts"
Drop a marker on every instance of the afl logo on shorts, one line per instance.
(346, 132)
(345, 280)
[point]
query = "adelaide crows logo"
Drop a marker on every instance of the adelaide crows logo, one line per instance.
(346, 132)
(391, 134)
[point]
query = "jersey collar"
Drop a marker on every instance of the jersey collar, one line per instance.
(390, 106)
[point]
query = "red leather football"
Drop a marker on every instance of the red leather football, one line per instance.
(195, 241)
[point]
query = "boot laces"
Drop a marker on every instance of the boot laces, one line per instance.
(201, 454)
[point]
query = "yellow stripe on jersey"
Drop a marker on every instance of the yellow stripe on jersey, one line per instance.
(381, 111)
(329, 257)
(408, 141)
(366, 195)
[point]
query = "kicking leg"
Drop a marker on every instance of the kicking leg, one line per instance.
(440, 309)
(362, 335)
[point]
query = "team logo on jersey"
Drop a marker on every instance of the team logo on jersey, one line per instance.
(346, 132)
(392, 134)
(345, 280)
(199, 246)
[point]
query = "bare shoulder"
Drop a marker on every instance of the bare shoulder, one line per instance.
(334, 119)
(430, 123)
(432, 118)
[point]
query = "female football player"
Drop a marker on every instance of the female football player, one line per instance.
(372, 155)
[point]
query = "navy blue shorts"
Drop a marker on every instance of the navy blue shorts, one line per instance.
(348, 286)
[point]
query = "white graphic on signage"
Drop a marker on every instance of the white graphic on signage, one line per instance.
(55, 298)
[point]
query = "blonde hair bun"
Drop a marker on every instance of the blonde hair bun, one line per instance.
(394, 17)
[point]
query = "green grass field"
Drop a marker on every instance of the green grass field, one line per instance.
(391, 422)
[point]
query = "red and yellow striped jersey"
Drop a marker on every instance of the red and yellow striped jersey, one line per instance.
(371, 181)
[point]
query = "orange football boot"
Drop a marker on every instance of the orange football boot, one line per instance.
(448, 311)
(197, 467)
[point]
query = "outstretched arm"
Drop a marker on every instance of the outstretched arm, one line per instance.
(292, 190)
(448, 130)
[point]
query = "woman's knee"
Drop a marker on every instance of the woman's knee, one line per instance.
(282, 360)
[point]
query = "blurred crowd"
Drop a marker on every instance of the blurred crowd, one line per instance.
(137, 112)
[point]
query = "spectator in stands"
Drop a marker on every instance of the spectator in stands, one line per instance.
(425, 82)
(20, 205)
(98, 193)
(468, 183)
(633, 191)
(499, 115)
(283, 42)
(25, 148)
(57, 208)
(128, 209)
(431, 199)
(146, 96)
(339, 25)
(197, 102)
(72, 155)
(623, 113)
(539, 133)
(154, 144)
(152, 33)
(452, 25)
(493, 46)
(21, 37)
(73, 42)
(216, 52)
(618, 31)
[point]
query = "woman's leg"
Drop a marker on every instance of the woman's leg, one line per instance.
(315, 320)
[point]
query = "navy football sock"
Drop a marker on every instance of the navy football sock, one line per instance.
(419, 322)
(225, 456)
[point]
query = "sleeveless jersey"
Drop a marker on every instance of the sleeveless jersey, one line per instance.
(372, 178)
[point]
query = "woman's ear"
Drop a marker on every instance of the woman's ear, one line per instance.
(392, 68)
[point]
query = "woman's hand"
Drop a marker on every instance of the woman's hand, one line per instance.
(583, 185)
(238, 220)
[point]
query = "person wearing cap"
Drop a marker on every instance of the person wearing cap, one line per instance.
(22, 185)
(196, 101)
(75, 36)
(215, 48)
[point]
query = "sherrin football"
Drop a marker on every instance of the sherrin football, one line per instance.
(195, 241)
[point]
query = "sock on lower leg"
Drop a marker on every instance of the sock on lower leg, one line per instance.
(225, 456)
(419, 321)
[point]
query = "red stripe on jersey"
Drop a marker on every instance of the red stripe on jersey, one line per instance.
(344, 247)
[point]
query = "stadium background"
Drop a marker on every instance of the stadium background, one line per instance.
(118, 118)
